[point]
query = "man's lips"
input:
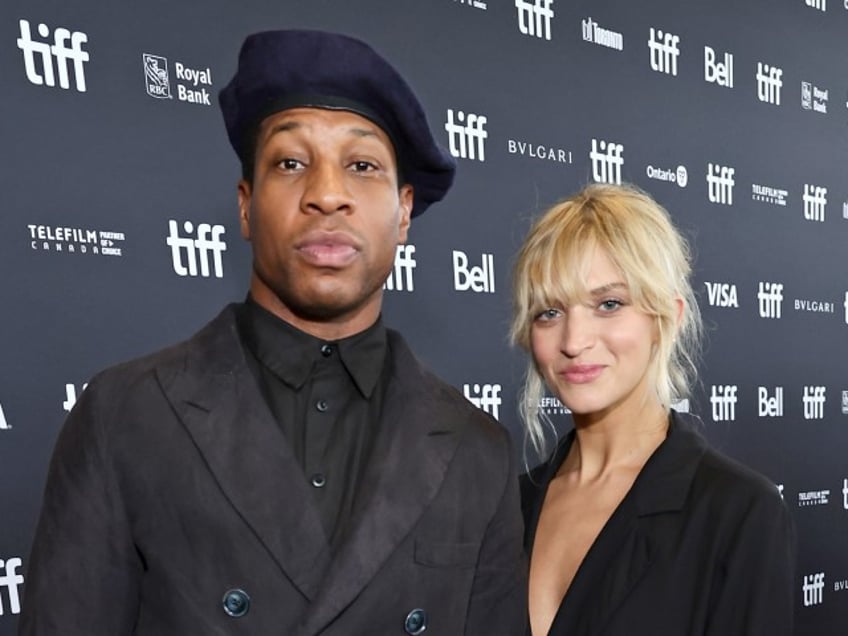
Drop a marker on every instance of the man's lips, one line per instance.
(328, 249)
(582, 374)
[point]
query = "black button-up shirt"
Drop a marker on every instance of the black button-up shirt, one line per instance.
(326, 397)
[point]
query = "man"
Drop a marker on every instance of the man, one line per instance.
(291, 469)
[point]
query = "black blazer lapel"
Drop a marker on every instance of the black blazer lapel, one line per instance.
(414, 447)
(217, 400)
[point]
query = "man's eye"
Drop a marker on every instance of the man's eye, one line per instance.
(362, 166)
(290, 164)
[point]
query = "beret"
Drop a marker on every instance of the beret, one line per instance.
(278, 70)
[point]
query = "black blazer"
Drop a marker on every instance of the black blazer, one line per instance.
(172, 490)
(700, 545)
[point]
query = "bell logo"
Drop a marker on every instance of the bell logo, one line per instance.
(208, 240)
(400, 278)
(770, 406)
(479, 279)
(484, 396)
(720, 73)
(11, 580)
(722, 295)
(59, 50)
(813, 589)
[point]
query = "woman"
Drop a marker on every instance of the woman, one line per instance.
(634, 525)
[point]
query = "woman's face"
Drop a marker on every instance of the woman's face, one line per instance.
(595, 356)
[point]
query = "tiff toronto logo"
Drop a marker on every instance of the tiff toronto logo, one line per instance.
(400, 278)
(723, 399)
(769, 83)
(593, 32)
(813, 588)
(484, 396)
(467, 135)
(59, 50)
(814, 399)
(664, 51)
(821, 5)
(534, 17)
(720, 184)
(479, 278)
(770, 297)
(720, 73)
(607, 159)
(197, 249)
(11, 580)
(815, 201)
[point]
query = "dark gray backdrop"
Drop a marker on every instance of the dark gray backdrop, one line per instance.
(114, 165)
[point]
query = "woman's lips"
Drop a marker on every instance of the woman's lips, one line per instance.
(582, 374)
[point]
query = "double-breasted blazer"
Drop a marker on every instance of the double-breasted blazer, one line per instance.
(175, 507)
(700, 545)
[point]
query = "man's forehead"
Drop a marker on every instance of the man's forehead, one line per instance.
(309, 118)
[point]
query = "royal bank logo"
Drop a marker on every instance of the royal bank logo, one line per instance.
(71, 396)
(594, 33)
(466, 135)
(813, 400)
(11, 580)
(539, 151)
(821, 5)
(770, 300)
(814, 98)
(192, 84)
(484, 396)
(663, 49)
(769, 194)
(474, 4)
(4, 423)
(75, 240)
(718, 71)
(534, 17)
(192, 254)
(813, 498)
(678, 175)
(401, 277)
(722, 295)
(46, 63)
(815, 202)
(769, 83)
(723, 400)
(720, 184)
(607, 159)
(474, 278)
(769, 405)
(813, 589)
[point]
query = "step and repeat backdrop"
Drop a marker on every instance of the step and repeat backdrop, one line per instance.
(119, 228)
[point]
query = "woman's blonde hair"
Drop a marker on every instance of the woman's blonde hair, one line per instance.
(653, 257)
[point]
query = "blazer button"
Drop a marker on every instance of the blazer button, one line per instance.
(416, 622)
(236, 603)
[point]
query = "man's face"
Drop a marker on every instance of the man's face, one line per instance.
(324, 215)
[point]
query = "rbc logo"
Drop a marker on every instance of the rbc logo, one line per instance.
(467, 135)
(484, 396)
(476, 279)
(58, 50)
(400, 278)
(208, 240)
(11, 580)
(156, 79)
(534, 17)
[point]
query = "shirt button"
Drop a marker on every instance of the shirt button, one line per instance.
(322, 405)
(327, 350)
(416, 622)
(318, 480)
(236, 603)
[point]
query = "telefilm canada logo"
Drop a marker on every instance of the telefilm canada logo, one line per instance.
(401, 277)
(47, 63)
(535, 17)
(484, 396)
(75, 240)
(769, 194)
(11, 579)
(193, 84)
(813, 498)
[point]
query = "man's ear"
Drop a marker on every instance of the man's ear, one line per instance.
(407, 198)
(245, 194)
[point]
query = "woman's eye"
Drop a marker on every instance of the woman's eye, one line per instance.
(548, 314)
(610, 305)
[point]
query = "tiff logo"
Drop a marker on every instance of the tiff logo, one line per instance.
(769, 83)
(715, 72)
(607, 158)
(11, 580)
(467, 135)
(484, 396)
(477, 278)
(208, 240)
(400, 278)
(720, 184)
(58, 50)
(815, 200)
(663, 51)
(534, 17)
(71, 396)
(821, 5)
(813, 588)
(770, 297)
(722, 294)
(723, 399)
(814, 398)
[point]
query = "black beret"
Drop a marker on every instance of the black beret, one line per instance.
(278, 70)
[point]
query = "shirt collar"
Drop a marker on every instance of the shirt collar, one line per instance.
(291, 354)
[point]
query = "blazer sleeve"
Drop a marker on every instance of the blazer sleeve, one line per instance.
(83, 570)
(498, 603)
(755, 597)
